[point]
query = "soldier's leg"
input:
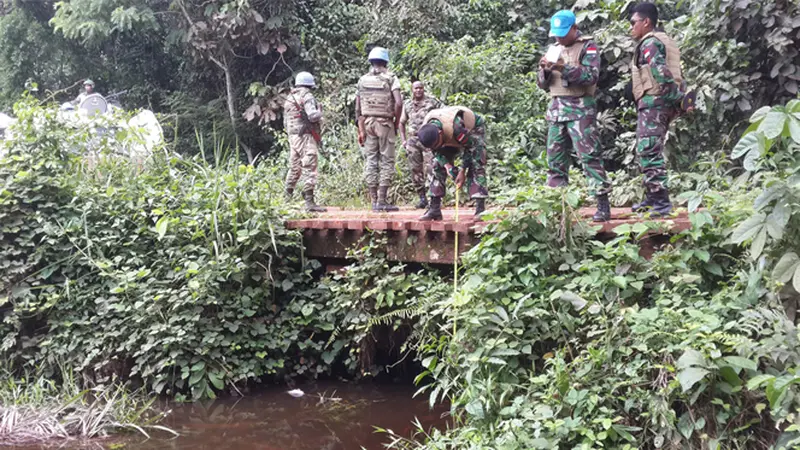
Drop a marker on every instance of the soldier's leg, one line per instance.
(476, 159)
(416, 163)
(558, 158)
(439, 178)
(371, 154)
(387, 154)
(309, 162)
(437, 190)
(651, 128)
(295, 164)
(427, 157)
(584, 136)
(386, 149)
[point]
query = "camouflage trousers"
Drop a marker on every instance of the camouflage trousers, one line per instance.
(651, 130)
(303, 151)
(581, 135)
(474, 158)
(419, 162)
(380, 152)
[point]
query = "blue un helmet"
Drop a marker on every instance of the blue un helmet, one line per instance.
(561, 22)
(304, 79)
(380, 54)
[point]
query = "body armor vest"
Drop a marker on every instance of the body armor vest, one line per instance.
(642, 76)
(295, 119)
(375, 92)
(571, 56)
(447, 117)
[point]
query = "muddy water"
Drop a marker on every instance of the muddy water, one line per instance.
(271, 419)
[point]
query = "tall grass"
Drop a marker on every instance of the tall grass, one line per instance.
(37, 409)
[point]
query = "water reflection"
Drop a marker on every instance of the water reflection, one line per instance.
(274, 420)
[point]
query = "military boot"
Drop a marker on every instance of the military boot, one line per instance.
(644, 205)
(480, 207)
(287, 195)
(434, 211)
(661, 204)
(373, 197)
(423, 200)
(603, 213)
(383, 204)
(310, 205)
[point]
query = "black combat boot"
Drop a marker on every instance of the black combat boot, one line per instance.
(603, 213)
(661, 204)
(383, 204)
(373, 197)
(645, 204)
(310, 205)
(423, 200)
(434, 211)
(480, 207)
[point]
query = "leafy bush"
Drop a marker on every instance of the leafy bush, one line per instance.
(181, 276)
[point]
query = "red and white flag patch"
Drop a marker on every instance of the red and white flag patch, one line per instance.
(591, 50)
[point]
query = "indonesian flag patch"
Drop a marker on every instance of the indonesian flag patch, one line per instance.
(591, 50)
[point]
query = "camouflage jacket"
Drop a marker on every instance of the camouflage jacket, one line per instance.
(566, 109)
(414, 112)
(653, 52)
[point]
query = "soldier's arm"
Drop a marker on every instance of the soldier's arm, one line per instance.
(403, 122)
(588, 72)
(654, 55)
(360, 120)
(312, 111)
(543, 79)
(398, 106)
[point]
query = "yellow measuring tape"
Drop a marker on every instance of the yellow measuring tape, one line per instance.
(455, 252)
(455, 259)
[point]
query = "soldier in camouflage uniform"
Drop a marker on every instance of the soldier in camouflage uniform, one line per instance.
(301, 117)
(378, 108)
(451, 132)
(571, 81)
(419, 158)
(658, 91)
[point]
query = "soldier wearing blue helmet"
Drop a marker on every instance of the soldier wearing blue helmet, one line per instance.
(378, 109)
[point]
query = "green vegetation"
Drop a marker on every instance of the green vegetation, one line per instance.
(33, 408)
(180, 277)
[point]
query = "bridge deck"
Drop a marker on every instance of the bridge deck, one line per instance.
(331, 234)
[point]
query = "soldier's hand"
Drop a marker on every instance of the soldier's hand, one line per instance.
(544, 64)
(460, 178)
(361, 137)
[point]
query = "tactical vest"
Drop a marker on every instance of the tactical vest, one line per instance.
(375, 92)
(447, 117)
(642, 77)
(572, 57)
(294, 116)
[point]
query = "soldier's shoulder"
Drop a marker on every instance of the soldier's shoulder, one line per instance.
(653, 42)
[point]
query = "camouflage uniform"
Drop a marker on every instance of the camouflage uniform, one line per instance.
(303, 148)
(655, 112)
(380, 141)
(571, 121)
(473, 158)
(419, 157)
